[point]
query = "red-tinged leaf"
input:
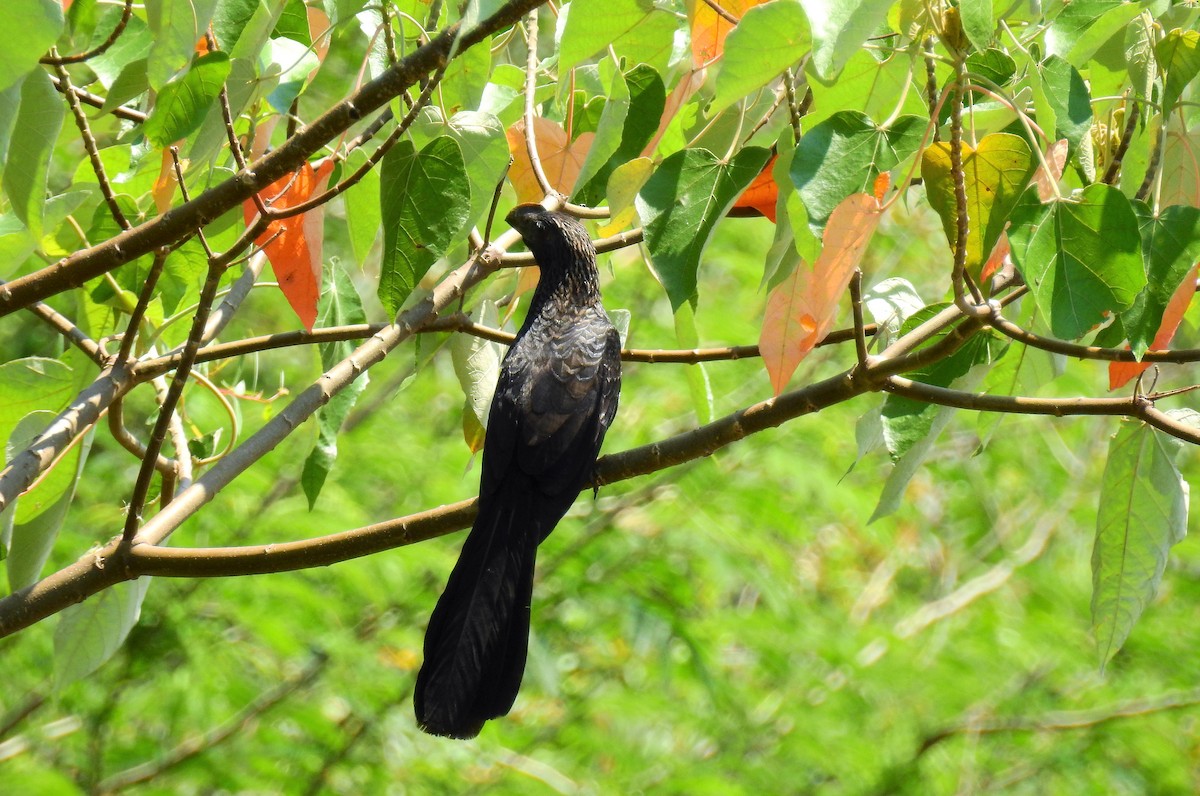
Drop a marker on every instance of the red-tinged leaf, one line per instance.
(1120, 373)
(318, 26)
(202, 46)
(164, 187)
(561, 159)
(882, 183)
(762, 194)
(801, 309)
(709, 28)
(293, 244)
(1056, 159)
(996, 260)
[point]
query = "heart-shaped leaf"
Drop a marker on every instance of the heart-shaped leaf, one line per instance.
(995, 175)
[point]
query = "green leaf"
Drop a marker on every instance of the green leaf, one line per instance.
(647, 99)
(844, 154)
(1178, 56)
(977, 22)
(425, 198)
(481, 139)
(293, 23)
(182, 104)
(130, 84)
(907, 421)
(132, 45)
(910, 461)
(768, 39)
(680, 205)
(465, 79)
(1139, 54)
(868, 86)
(1081, 257)
(183, 272)
(994, 65)
(362, 207)
(639, 29)
(1075, 21)
(290, 63)
(839, 28)
(10, 104)
(33, 26)
(339, 306)
(231, 18)
(40, 512)
(994, 174)
(477, 365)
(1068, 98)
(611, 126)
(1170, 246)
(29, 384)
(90, 633)
(176, 27)
(38, 123)
(1143, 512)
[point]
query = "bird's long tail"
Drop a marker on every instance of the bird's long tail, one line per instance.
(478, 636)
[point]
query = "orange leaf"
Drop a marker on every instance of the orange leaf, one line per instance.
(164, 187)
(709, 28)
(293, 244)
(882, 183)
(318, 26)
(1056, 159)
(801, 309)
(997, 258)
(561, 159)
(762, 193)
(1119, 373)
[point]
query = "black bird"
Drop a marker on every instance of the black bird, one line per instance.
(555, 398)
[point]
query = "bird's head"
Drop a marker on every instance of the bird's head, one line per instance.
(556, 240)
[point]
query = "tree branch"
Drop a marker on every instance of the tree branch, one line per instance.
(76, 269)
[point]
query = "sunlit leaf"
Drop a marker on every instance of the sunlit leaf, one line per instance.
(680, 205)
(561, 159)
(709, 28)
(767, 40)
(839, 28)
(844, 154)
(182, 104)
(1081, 257)
(1067, 95)
(176, 27)
(33, 26)
(425, 198)
(994, 175)
(803, 308)
(1178, 55)
(637, 27)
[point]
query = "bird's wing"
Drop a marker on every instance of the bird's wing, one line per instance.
(552, 429)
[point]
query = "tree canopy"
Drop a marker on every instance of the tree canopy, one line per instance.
(872, 263)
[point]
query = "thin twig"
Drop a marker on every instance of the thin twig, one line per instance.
(1131, 117)
(89, 144)
(54, 59)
